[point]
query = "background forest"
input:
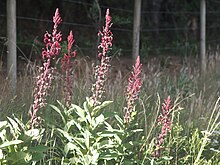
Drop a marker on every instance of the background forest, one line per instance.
(80, 99)
(168, 27)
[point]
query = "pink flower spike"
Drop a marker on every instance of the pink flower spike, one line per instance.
(52, 41)
(45, 73)
(56, 18)
(70, 42)
(102, 69)
(107, 36)
(165, 122)
(66, 68)
(133, 89)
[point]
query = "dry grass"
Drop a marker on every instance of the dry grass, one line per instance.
(169, 76)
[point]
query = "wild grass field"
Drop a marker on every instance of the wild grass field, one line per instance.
(71, 109)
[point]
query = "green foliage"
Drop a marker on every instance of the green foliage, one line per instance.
(18, 143)
(86, 135)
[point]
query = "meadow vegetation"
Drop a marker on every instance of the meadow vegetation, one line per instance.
(66, 111)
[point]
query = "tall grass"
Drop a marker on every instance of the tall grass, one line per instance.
(194, 115)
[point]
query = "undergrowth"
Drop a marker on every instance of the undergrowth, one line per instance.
(58, 117)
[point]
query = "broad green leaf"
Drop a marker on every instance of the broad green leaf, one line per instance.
(13, 123)
(108, 114)
(118, 139)
(71, 147)
(1, 155)
(37, 156)
(87, 111)
(71, 123)
(109, 155)
(59, 112)
(88, 159)
(9, 143)
(19, 158)
(110, 129)
(106, 134)
(87, 136)
(3, 125)
(79, 111)
(119, 120)
(33, 132)
(39, 148)
(167, 157)
(70, 138)
(3, 135)
(65, 134)
(98, 108)
(105, 144)
(14, 128)
(95, 157)
(20, 123)
(99, 120)
(137, 130)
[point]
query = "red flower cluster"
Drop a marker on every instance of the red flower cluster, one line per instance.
(133, 89)
(66, 64)
(52, 41)
(44, 80)
(102, 69)
(107, 36)
(164, 120)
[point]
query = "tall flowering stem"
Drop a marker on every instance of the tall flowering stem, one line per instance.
(165, 123)
(133, 89)
(45, 73)
(102, 69)
(66, 68)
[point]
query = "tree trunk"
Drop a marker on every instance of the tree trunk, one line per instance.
(203, 36)
(12, 51)
(136, 30)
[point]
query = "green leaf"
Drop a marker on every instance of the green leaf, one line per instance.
(98, 108)
(9, 143)
(79, 111)
(95, 157)
(87, 111)
(120, 120)
(20, 123)
(39, 148)
(33, 132)
(109, 155)
(1, 155)
(88, 159)
(37, 156)
(14, 128)
(3, 125)
(107, 144)
(71, 147)
(59, 112)
(71, 123)
(65, 134)
(87, 136)
(110, 129)
(106, 134)
(137, 130)
(167, 157)
(99, 120)
(19, 158)
(70, 138)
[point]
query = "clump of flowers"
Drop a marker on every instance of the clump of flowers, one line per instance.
(165, 122)
(102, 69)
(45, 75)
(133, 89)
(66, 68)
